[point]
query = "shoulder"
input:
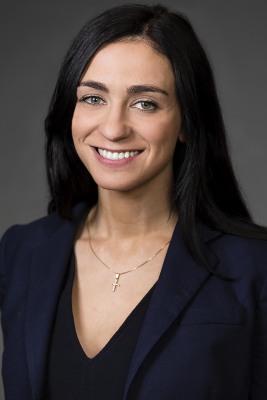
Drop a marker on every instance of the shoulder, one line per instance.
(22, 239)
(233, 247)
(236, 248)
(31, 233)
(20, 242)
(240, 258)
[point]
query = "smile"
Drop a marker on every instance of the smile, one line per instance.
(110, 155)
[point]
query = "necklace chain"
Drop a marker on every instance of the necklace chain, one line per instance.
(118, 274)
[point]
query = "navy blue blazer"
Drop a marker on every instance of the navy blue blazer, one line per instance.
(202, 339)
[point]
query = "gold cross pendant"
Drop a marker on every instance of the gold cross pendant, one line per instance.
(115, 284)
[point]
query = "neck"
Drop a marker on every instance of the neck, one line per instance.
(127, 214)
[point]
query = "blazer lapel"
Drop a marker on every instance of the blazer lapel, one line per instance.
(48, 267)
(180, 280)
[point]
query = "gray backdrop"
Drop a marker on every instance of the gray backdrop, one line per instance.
(34, 37)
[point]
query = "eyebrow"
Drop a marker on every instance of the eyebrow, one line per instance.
(146, 88)
(135, 89)
(95, 85)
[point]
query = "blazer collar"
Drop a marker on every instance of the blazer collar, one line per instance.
(49, 261)
(180, 280)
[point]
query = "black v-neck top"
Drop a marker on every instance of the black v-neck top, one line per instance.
(70, 373)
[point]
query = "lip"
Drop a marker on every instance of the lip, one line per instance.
(115, 163)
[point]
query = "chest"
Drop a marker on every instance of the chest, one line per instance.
(101, 302)
(74, 374)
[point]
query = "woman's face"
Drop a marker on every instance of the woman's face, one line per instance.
(127, 118)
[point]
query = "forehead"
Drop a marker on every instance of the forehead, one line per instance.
(130, 62)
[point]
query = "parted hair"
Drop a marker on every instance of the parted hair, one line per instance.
(205, 187)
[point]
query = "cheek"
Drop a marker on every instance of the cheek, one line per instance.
(163, 133)
(83, 125)
(75, 126)
(79, 127)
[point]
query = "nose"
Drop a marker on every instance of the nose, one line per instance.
(114, 125)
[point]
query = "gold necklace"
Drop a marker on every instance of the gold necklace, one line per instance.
(115, 284)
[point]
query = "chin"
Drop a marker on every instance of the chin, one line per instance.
(117, 185)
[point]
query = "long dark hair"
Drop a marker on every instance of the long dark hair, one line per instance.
(205, 188)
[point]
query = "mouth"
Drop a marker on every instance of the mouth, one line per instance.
(117, 155)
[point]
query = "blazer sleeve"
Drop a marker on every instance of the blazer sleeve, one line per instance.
(3, 272)
(2, 269)
(259, 349)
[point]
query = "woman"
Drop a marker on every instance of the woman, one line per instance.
(148, 279)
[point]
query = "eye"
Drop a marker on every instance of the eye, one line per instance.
(146, 105)
(92, 100)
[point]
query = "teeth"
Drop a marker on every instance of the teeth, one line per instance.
(115, 155)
